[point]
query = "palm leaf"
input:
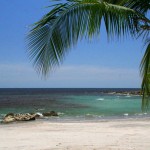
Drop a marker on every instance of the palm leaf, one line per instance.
(141, 6)
(60, 29)
(145, 72)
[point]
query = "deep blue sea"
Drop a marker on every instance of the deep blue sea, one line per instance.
(72, 103)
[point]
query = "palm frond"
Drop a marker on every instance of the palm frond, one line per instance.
(60, 29)
(143, 23)
(116, 2)
(145, 72)
(141, 6)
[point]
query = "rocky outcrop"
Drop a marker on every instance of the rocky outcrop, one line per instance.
(24, 117)
(18, 117)
(123, 92)
(8, 119)
(11, 117)
(10, 114)
(51, 113)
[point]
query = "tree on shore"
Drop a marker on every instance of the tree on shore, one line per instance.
(59, 30)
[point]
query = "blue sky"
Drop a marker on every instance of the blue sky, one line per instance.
(97, 63)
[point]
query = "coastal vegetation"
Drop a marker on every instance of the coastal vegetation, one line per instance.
(60, 29)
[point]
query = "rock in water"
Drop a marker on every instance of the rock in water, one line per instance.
(18, 117)
(24, 117)
(10, 114)
(8, 119)
(11, 117)
(51, 113)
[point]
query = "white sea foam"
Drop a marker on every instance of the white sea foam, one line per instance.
(41, 115)
(93, 116)
(126, 114)
(100, 99)
(128, 95)
(60, 113)
(141, 114)
(88, 114)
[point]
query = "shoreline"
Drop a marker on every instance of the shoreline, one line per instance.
(127, 134)
(81, 120)
(76, 121)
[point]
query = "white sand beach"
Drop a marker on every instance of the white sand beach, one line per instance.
(131, 134)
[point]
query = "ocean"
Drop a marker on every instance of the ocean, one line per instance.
(73, 103)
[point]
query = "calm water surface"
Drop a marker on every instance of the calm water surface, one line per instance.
(72, 103)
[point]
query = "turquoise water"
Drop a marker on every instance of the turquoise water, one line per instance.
(103, 106)
(73, 105)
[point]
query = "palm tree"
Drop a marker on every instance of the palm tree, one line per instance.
(51, 38)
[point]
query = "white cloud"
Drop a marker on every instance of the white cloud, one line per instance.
(23, 75)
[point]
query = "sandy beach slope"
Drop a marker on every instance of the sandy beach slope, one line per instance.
(102, 135)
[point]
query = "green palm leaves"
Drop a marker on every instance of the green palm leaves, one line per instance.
(141, 6)
(59, 30)
(145, 71)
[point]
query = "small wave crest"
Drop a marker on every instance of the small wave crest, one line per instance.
(92, 116)
(126, 114)
(140, 114)
(100, 99)
(60, 113)
(39, 114)
(128, 96)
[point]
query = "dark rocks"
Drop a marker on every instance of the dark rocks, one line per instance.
(9, 114)
(51, 113)
(128, 92)
(18, 117)
(11, 117)
(24, 117)
(8, 119)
